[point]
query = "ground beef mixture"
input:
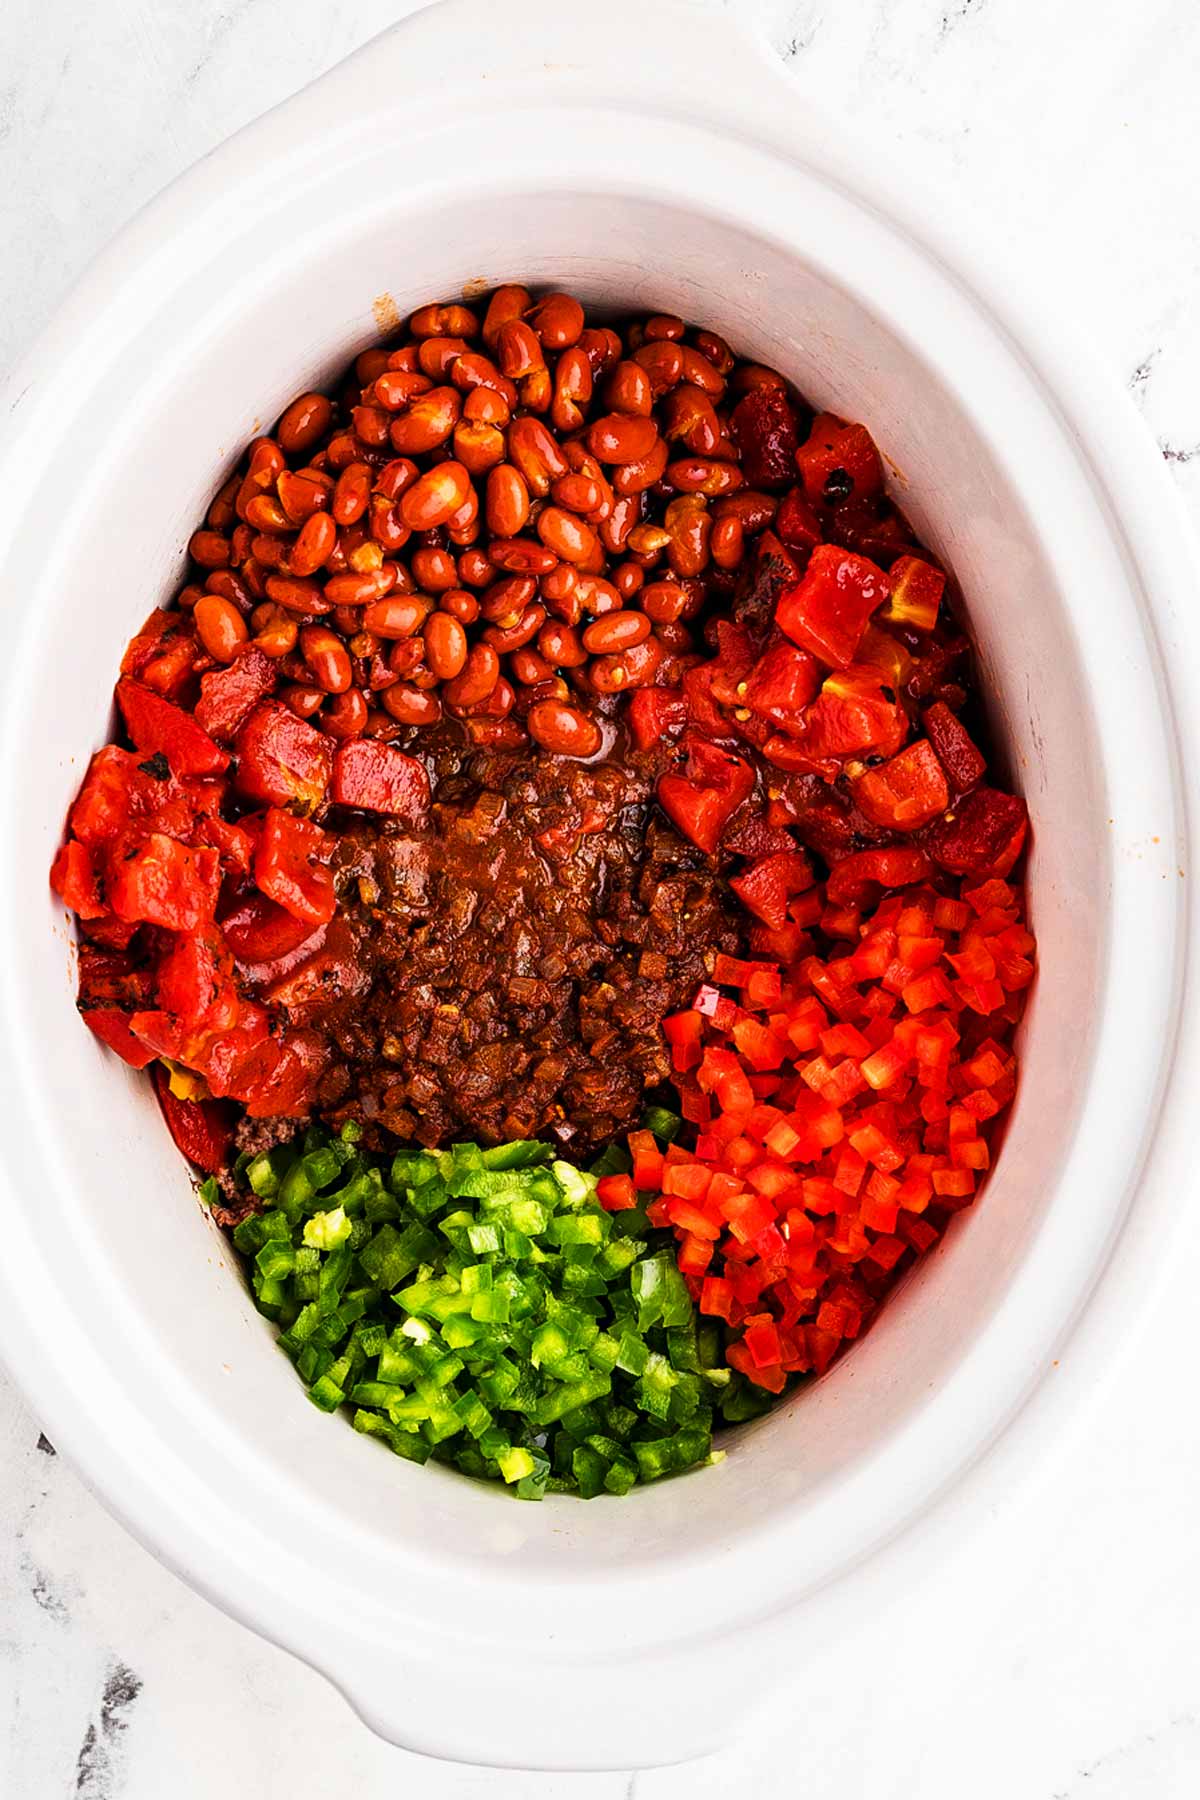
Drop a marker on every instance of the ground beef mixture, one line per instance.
(504, 972)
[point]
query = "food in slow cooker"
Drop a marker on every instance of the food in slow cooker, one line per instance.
(560, 721)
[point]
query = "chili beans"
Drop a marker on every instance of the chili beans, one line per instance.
(445, 646)
(564, 729)
(511, 516)
(220, 627)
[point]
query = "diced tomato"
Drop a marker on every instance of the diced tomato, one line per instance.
(849, 717)
(899, 867)
(163, 882)
(202, 1129)
(228, 696)
(111, 1025)
(905, 792)
(916, 593)
(288, 1087)
(957, 752)
(983, 836)
(258, 930)
(120, 795)
(158, 726)
(835, 449)
(766, 887)
(162, 653)
(763, 426)
(378, 778)
(702, 801)
(234, 843)
(782, 683)
(282, 759)
(654, 714)
(289, 866)
(827, 610)
(333, 972)
(73, 878)
(796, 522)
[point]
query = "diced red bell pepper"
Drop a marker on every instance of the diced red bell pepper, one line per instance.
(762, 1341)
(956, 750)
(834, 448)
(905, 792)
(763, 426)
(289, 866)
(229, 695)
(916, 595)
(984, 835)
(158, 726)
(616, 1193)
(73, 878)
(702, 801)
(163, 882)
(378, 778)
(721, 1075)
(767, 885)
(282, 759)
(202, 1129)
(782, 683)
(684, 1032)
(828, 608)
(654, 714)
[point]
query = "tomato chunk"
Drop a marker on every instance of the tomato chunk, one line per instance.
(899, 867)
(797, 523)
(827, 610)
(702, 801)
(288, 866)
(916, 595)
(378, 778)
(782, 683)
(73, 879)
(905, 792)
(162, 882)
(838, 459)
(957, 752)
(121, 794)
(282, 760)
(763, 426)
(655, 713)
(111, 1025)
(157, 725)
(766, 887)
(984, 836)
(228, 696)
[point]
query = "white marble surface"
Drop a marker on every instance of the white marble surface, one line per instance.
(1059, 1654)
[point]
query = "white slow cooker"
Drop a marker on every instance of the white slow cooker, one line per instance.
(643, 156)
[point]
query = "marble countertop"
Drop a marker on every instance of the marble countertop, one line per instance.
(1057, 1657)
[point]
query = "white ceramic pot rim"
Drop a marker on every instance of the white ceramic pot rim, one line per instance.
(746, 101)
